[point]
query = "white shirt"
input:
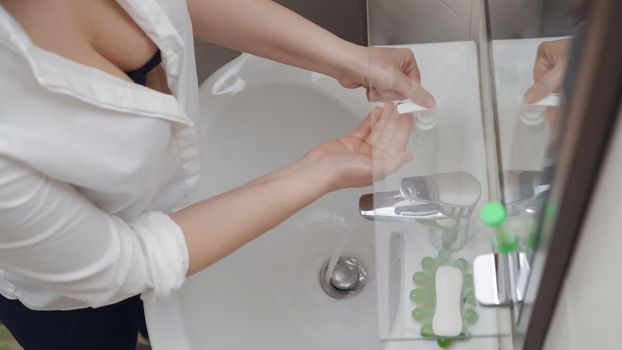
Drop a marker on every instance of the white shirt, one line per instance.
(89, 166)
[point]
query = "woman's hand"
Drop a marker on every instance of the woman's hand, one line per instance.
(257, 27)
(387, 74)
(213, 227)
(376, 148)
(548, 70)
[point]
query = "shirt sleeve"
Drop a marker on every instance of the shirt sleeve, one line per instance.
(59, 251)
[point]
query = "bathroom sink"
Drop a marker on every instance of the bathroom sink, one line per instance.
(259, 115)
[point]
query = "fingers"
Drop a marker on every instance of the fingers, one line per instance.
(349, 84)
(398, 87)
(386, 137)
(364, 148)
(363, 130)
(377, 128)
(548, 70)
(387, 140)
(402, 134)
(414, 91)
(377, 95)
(541, 67)
(408, 64)
(413, 69)
(396, 76)
(549, 83)
(391, 131)
(544, 62)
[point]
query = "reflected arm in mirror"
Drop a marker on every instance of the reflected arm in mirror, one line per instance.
(267, 29)
(548, 70)
(215, 227)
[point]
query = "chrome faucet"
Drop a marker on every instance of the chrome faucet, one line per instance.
(524, 192)
(442, 202)
(424, 198)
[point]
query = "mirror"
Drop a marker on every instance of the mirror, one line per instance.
(426, 214)
(498, 83)
(530, 45)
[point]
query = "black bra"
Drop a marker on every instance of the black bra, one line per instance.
(139, 76)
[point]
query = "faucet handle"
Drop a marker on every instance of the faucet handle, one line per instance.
(415, 188)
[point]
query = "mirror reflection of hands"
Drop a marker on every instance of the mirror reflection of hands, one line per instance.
(376, 148)
(392, 74)
(548, 70)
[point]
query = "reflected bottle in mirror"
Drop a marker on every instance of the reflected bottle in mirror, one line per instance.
(530, 138)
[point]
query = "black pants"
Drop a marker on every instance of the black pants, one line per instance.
(113, 327)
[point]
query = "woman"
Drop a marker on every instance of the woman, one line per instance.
(97, 147)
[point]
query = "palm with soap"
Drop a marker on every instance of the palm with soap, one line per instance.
(370, 152)
(213, 227)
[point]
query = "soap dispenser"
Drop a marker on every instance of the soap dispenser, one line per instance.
(425, 144)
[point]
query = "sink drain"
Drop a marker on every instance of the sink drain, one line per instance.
(347, 279)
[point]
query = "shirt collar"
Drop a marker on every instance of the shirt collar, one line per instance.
(94, 86)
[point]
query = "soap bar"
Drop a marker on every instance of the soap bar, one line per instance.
(447, 320)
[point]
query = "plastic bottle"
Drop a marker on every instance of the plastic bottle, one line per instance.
(425, 143)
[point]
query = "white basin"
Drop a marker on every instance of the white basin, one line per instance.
(258, 116)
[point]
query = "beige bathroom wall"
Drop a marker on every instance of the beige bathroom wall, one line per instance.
(210, 57)
(421, 21)
(345, 18)
(428, 21)
(587, 315)
(513, 19)
(560, 17)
